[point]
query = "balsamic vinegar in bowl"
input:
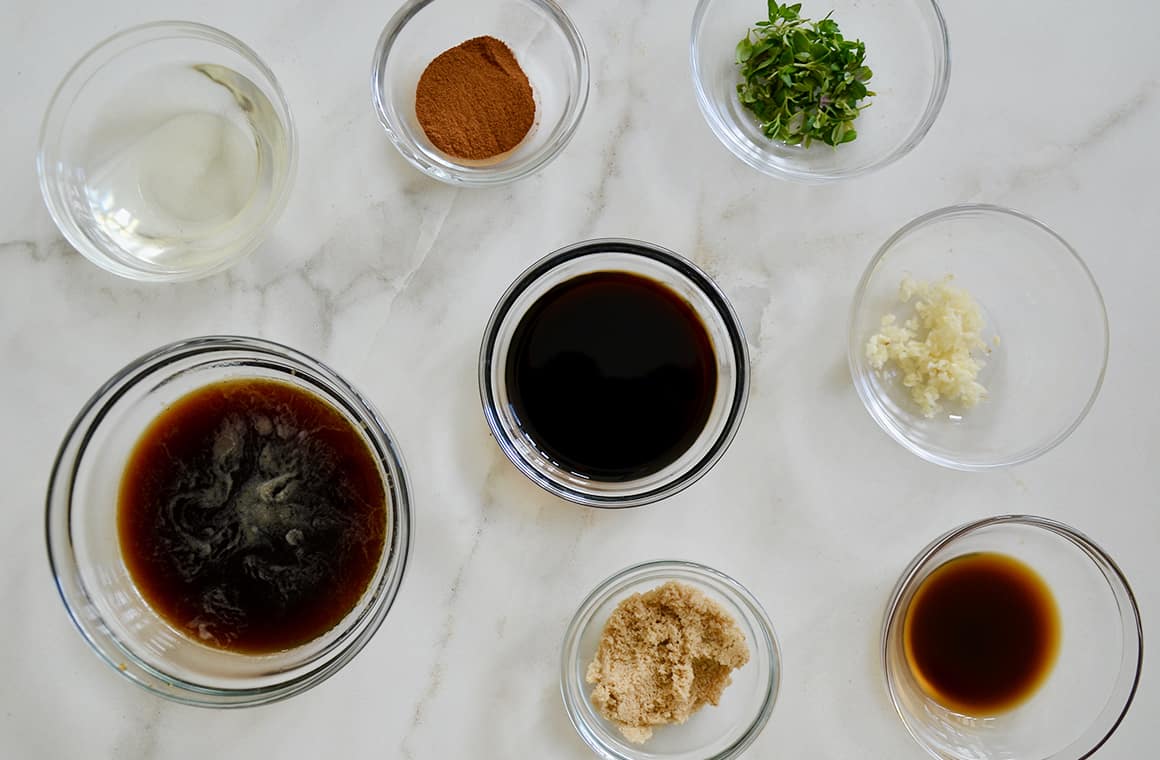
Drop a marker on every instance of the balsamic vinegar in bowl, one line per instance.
(613, 373)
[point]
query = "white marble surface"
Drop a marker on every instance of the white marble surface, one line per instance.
(1054, 108)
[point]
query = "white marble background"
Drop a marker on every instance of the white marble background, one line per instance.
(1054, 108)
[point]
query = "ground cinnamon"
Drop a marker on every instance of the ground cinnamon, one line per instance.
(474, 101)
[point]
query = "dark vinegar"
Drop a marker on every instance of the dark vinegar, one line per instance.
(982, 633)
(612, 375)
(252, 515)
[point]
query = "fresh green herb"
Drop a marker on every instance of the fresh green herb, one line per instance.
(802, 78)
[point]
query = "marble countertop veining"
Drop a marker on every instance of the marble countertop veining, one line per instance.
(389, 277)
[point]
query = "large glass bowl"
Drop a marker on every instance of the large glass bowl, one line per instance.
(1037, 297)
(547, 46)
(716, 732)
(906, 47)
(85, 553)
(1096, 671)
(167, 153)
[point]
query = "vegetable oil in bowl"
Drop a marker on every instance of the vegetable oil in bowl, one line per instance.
(182, 168)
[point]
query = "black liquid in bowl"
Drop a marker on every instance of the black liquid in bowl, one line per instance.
(612, 375)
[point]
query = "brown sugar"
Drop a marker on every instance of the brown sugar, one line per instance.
(663, 655)
(474, 101)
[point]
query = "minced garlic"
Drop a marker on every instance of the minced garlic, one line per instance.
(932, 349)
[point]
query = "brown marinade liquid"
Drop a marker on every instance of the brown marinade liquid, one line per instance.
(982, 633)
(252, 515)
(612, 374)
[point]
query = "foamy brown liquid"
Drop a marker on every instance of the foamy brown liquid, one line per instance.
(252, 515)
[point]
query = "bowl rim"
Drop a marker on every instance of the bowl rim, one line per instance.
(755, 159)
(684, 267)
(71, 588)
(859, 373)
(487, 175)
(56, 113)
(1103, 561)
(658, 569)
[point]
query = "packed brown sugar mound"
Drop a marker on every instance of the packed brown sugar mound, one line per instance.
(663, 655)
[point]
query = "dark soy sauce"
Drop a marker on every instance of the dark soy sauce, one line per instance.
(612, 375)
(982, 633)
(252, 515)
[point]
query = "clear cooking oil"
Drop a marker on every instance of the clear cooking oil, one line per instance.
(183, 168)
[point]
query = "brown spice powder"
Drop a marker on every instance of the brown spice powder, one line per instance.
(474, 101)
(663, 655)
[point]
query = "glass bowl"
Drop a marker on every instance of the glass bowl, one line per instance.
(84, 550)
(712, 733)
(672, 271)
(549, 50)
(167, 153)
(906, 48)
(1036, 295)
(1096, 671)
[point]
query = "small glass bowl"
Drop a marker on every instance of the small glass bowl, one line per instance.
(547, 46)
(128, 137)
(84, 550)
(1037, 297)
(1096, 671)
(672, 271)
(713, 732)
(906, 47)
